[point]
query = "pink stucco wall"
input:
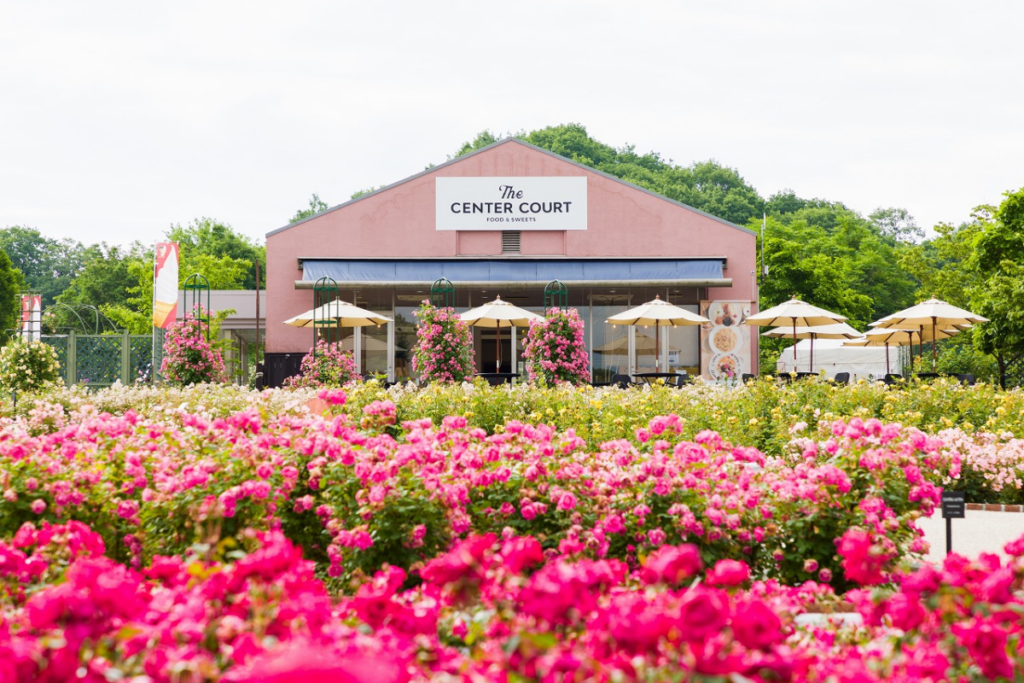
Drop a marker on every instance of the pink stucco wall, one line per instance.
(399, 222)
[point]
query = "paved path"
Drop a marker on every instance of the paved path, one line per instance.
(978, 532)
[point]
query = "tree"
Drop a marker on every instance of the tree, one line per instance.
(1001, 300)
(858, 254)
(136, 314)
(207, 247)
(999, 257)
(359, 193)
(815, 278)
(946, 266)
(10, 301)
(209, 237)
(785, 201)
(105, 278)
(48, 265)
(482, 140)
(897, 224)
(707, 186)
(316, 205)
(979, 265)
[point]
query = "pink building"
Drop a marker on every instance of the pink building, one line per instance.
(505, 221)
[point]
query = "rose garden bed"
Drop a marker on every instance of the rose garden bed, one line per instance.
(169, 542)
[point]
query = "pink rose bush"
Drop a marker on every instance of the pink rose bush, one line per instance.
(444, 346)
(555, 349)
(358, 493)
(353, 545)
(326, 365)
(188, 356)
(993, 464)
(490, 608)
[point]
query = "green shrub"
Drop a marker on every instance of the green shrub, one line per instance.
(26, 366)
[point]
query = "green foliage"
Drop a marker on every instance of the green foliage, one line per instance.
(29, 366)
(10, 302)
(482, 140)
(359, 193)
(707, 186)
(209, 242)
(897, 224)
(105, 281)
(980, 266)
(48, 265)
(316, 205)
(136, 315)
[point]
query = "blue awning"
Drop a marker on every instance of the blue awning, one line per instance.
(696, 272)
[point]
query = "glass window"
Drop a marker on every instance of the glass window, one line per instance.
(609, 344)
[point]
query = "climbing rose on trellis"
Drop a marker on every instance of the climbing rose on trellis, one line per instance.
(555, 349)
(444, 347)
(330, 366)
(189, 358)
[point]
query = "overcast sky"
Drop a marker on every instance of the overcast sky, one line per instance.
(119, 119)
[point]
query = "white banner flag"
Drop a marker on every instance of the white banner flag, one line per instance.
(165, 285)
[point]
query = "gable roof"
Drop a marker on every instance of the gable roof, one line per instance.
(505, 141)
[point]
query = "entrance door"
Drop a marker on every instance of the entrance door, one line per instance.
(485, 361)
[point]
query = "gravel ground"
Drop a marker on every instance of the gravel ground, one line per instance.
(978, 532)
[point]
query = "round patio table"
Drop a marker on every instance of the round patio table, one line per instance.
(653, 377)
(496, 378)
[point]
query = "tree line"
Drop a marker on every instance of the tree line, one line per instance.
(819, 250)
(116, 280)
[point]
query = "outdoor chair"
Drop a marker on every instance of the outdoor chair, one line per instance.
(747, 377)
(892, 378)
(681, 379)
(966, 378)
(842, 378)
(622, 381)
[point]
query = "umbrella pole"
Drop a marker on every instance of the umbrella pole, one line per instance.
(657, 348)
(887, 358)
(795, 367)
(497, 360)
(811, 367)
(933, 343)
(921, 347)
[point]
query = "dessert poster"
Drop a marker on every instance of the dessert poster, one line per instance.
(726, 344)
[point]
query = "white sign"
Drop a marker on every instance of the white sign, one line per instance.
(511, 203)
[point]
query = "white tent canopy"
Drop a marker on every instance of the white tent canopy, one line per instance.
(832, 356)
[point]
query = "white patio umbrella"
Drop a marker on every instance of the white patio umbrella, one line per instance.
(336, 313)
(496, 315)
(833, 331)
(343, 313)
(889, 337)
(657, 314)
(794, 313)
(937, 314)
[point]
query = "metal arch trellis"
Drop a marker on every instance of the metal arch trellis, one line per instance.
(194, 287)
(556, 295)
(442, 292)
(325, 290)
(99, 322)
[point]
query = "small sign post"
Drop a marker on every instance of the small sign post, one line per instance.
(954, 506)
